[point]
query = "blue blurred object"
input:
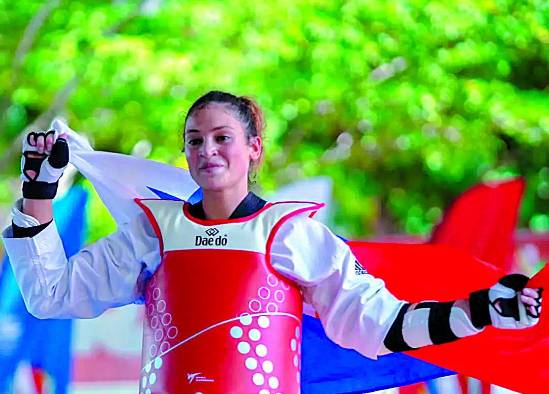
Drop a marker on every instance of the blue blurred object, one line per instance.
(44, 344)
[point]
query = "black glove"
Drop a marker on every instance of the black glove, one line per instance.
(40, 172)
(501, 305)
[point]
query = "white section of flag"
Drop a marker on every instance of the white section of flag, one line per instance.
(118, 178)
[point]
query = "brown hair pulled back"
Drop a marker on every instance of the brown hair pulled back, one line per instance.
(246, 110)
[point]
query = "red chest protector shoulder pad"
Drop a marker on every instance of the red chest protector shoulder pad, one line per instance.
(219, 318)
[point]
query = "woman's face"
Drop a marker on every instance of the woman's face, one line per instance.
(217, 149)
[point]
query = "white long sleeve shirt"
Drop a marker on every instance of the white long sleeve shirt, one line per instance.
(355, 308)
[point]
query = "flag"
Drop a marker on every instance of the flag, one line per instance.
(482, 222)
(406, 272)
(329, 368)
(508, 358)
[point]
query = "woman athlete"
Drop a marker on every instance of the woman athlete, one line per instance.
(224, 279)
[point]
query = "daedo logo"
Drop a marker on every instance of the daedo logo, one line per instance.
(211, 239)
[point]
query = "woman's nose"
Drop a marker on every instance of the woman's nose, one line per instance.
(208, 148)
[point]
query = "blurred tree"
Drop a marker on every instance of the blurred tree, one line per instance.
(404, 103)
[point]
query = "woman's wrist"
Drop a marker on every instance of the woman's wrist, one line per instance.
(41, 210)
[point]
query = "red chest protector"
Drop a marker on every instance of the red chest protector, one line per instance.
(219, 318)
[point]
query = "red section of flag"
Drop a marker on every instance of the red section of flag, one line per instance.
(509, 358)
(482, 221)
(38, 377)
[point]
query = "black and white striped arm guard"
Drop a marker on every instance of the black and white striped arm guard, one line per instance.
(428, 323)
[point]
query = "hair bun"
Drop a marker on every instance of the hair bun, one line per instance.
(256, 113)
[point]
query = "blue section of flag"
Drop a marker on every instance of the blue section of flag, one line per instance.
(163, 195)
(43, 343)
(193, 199)
(329, 368)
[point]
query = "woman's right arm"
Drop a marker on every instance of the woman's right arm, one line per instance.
(106, 274)
(100, 276)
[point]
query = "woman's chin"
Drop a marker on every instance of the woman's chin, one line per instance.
(213, 185)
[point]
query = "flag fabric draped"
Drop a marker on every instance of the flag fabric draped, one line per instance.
(406, 269)
(508, 358)
(329, 368)
(482, 222)
(44, 344)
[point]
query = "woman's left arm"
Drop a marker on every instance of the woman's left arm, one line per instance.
(355, 308)
(358, 312)
(508, 304)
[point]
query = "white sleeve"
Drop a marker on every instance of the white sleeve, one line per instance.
(355, 308)
(20, 219)
(103, 275)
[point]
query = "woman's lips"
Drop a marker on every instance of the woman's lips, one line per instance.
(209, 165)
(211, 168)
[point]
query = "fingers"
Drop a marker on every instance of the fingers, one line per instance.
(31, 139)
(528, 300)
(534, 311)
(531, 298)
(49, 141)
(36, 140)
(534, 293)
(42, 141)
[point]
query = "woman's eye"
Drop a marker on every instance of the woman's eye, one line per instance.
(194, 141)
(223, 138)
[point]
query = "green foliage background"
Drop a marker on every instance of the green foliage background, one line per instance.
(404, 104)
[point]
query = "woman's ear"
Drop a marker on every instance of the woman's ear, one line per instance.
(256, 148)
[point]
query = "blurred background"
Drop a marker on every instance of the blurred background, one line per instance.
(400, 105)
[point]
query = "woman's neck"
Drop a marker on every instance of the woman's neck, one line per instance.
(221, 204)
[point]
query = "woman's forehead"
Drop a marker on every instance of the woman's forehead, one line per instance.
(212, 116)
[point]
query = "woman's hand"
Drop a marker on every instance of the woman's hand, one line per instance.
(507, 304)
(45, 156)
